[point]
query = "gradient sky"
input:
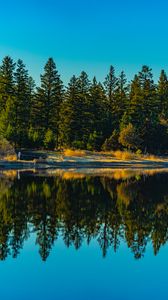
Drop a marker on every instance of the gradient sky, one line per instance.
(85, 35)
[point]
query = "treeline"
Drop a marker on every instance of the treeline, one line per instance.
(115, 114)
(106, 210)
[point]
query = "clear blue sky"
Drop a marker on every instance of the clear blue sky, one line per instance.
(89, 35)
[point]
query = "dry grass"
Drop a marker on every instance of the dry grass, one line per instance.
(10, 173)
(72, 176)
(78, 153)
(128, 155)
(10, 157)
(124, 155)
(151, 157)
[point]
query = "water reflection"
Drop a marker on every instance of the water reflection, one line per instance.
(121, 205)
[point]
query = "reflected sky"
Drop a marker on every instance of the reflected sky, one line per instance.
(84, 206)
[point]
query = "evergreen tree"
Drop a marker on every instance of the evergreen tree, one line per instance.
(70, 115)
(110, 85)
(22, 103)
(162, 92)
(87, 115)
(97, 124)
(7, 99)
(121, 100)
(6, 81)
(75, 114)
(46, 106)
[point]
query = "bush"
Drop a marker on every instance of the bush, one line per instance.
(129, 137)
(124, 155)
(49, 140)
(78, 145)
(112, 142)
(6, 149)
(94, 141)
(35, 140)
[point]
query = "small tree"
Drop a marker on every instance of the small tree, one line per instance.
(129, 137)
(112, 142)
(6, 148)
(49, 140)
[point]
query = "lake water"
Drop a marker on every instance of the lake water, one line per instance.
(71, 235)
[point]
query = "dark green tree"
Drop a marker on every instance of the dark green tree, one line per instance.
(46, 104)
(6, 81)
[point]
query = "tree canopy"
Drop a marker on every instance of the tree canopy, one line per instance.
(85, 114)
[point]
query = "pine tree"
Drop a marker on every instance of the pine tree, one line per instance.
(98, 122)
(7, 99)
(142, 111)
(121, 100)
(162, 92)
(110, 85)
(70, 115)
(6, 80)
(22, 103)
(46, 106)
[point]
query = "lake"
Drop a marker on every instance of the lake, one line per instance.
(84, 235)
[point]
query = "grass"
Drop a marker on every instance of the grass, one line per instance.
(71, 152)
(128, 155)
(151, 157)
(10, 157)
(124, 155)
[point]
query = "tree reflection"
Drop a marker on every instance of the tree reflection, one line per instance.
(79, 209)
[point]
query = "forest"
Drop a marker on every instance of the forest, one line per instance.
(85, 114)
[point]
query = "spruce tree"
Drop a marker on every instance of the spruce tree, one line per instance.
(6, 80)
(46, 106)
(7, 99)
(110, 85)
(162, 92)
(121, 99)
(22, 103)
(98, 123)
(70, 115)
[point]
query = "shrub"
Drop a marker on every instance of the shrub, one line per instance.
(124, 155)
(78, 145)
(35, 140)
(94, 141)
(49, 140)
(6, 148)
(129, 137)
(112, 143)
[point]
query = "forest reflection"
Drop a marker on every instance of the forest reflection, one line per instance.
(109, 208)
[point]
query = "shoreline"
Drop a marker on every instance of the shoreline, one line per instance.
(115, 164)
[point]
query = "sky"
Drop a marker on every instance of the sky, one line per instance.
(86, 35)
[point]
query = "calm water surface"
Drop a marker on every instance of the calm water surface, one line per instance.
(76, 236)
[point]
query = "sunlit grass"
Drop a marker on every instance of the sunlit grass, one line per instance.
(78, 153)
(124, 155)
(10, 157)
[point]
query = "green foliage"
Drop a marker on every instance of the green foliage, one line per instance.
(5, 147)
(94, 141)
(47, 101)
(78, 145)
(129, 138)
(85, 114)
(112, 142)
(34, 138)
(49, 139)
